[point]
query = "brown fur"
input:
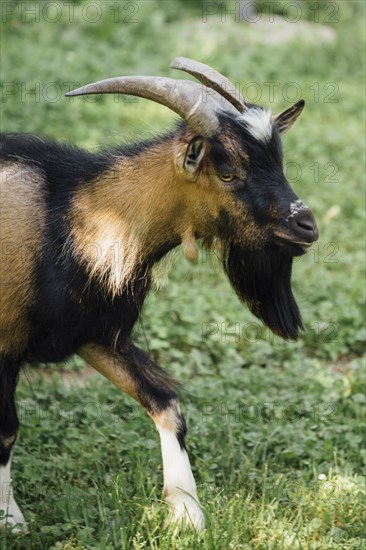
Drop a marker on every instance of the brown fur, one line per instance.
(109, 366)
(133, 210)
(21, 225)
(169, 418)
(190, 246)
(115, 368)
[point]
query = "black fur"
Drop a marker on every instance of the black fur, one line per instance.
(64, 167)
(156, 388)
(9, 423)
(154, 385)
(69, 309)
(262, 279)
(265, 184)
(261, 273)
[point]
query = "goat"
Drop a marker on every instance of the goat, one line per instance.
(216, 177)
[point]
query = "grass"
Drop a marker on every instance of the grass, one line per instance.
(275, 428)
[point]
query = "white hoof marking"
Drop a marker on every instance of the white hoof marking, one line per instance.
(179, 484)
(186, 510)
(13, 518)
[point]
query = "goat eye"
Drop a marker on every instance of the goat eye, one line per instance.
(227, 177)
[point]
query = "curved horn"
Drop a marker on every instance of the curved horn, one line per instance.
(212, 79)
(193, 102)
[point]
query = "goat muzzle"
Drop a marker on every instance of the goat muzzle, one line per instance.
(300, 233)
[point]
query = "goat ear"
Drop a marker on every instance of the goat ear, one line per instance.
(194, 155)
(285, 120)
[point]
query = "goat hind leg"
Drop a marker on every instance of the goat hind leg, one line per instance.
(12, 517)
(132, 371)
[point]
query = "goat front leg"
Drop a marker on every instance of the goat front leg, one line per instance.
(12, 517)
(132, 371)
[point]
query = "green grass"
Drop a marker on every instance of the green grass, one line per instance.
(266, 418)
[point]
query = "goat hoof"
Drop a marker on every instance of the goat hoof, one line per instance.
(14, 519)
(187, 511)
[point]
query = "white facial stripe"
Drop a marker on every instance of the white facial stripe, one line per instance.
(259, 123)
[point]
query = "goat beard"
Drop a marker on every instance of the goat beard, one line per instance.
(262, 280)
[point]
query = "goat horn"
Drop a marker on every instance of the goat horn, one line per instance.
(211, 78)
(184, 97)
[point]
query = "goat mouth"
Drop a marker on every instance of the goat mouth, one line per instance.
(296, 247)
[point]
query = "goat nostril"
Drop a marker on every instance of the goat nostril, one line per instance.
(308, 225)
(304, 225)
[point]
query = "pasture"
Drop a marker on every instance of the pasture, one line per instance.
(275, 429)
